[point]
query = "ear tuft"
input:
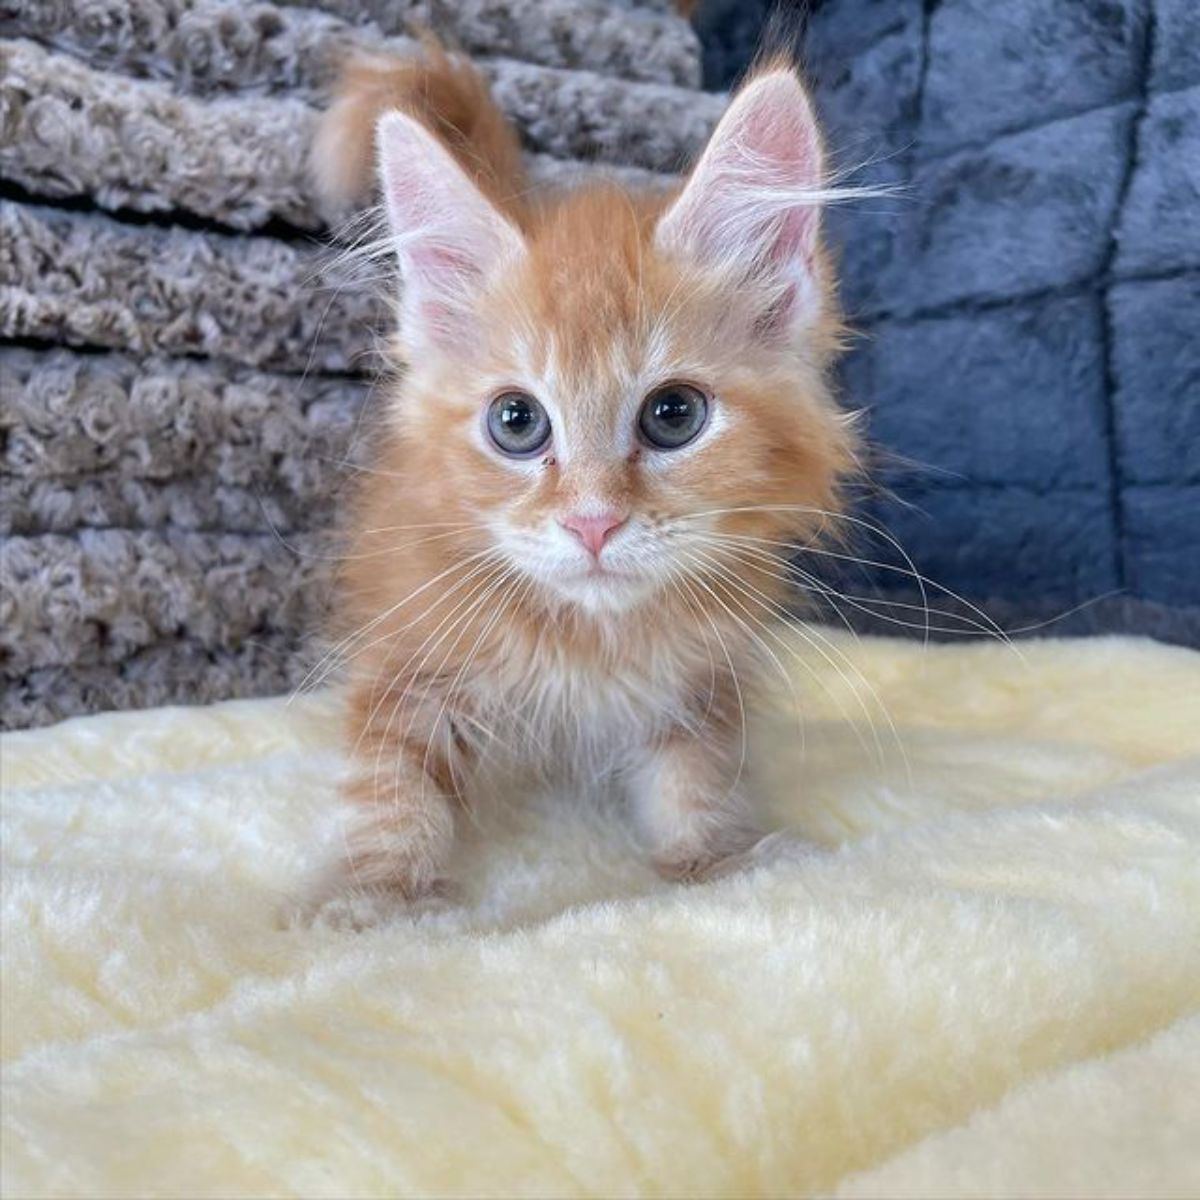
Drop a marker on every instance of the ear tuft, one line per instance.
(448, 237)
(751, 207)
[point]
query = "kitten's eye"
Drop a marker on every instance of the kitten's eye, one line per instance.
(673, 415)
(518, 424)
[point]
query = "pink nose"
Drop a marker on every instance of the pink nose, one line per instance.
(593, 532)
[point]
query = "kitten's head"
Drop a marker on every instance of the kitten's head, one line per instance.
(608, 387)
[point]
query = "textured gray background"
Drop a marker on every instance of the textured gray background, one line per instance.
(1031, 301)
(182, 364)
(182, 371)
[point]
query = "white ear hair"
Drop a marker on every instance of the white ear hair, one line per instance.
(449, 239)
(751, 207)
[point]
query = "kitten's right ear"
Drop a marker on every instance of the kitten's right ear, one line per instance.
(751, 208)
(448, 237)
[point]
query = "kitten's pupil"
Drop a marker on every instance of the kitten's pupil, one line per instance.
(516, 416)
(518, 424)
(673, 410)
(673, 415)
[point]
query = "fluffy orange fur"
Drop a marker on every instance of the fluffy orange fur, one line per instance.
(478, 634)
(446, 94)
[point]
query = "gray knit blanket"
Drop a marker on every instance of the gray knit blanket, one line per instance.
(184, 372)
(183, 369)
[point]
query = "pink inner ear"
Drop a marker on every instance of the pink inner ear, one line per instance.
(750, 204)
(777, 142)
(795, 238)
(447, 234)
(793, 246)
(436, 269)
(780, 129)
(441, 318)
(409, 203)
(434, 259)
(776, 148)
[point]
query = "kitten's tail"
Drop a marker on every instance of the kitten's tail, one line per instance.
(446, 94)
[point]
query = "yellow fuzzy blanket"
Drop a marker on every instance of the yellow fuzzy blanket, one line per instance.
(979, 977)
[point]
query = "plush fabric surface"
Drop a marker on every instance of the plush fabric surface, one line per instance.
(184, 368)
(1030, 301)
(978, 978)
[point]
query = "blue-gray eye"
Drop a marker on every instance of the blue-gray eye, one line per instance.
(518, 424)
(673, 415)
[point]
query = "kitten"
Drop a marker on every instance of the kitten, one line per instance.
(613, 418)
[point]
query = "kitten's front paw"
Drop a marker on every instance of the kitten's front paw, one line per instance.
(697, 868)
(355, 909)
(692, 864)
(754, 851)
(341, 903)
(376, 882)
(389, 866)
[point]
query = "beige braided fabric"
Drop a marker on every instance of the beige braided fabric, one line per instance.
(182, 372)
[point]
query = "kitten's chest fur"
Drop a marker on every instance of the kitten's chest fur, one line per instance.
(567, 709)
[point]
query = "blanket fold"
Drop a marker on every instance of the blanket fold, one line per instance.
(965, 966)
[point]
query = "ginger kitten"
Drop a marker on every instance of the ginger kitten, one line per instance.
(612, 418)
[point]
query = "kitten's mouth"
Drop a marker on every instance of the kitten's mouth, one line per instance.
(602, 588)
(599, 573)
(602, 573)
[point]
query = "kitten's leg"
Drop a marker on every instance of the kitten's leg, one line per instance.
(690, 807)
(399, 830)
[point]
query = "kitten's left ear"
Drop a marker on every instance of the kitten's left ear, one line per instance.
(449, 238)
(751, 207)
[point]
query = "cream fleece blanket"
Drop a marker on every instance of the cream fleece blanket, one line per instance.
(980, 977)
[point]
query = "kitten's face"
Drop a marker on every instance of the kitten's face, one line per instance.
(617, 417)
(606, 392)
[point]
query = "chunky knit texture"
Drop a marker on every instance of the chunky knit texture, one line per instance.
(190, 365)
(185, 367)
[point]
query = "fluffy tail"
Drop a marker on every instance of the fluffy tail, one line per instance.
(447, 95)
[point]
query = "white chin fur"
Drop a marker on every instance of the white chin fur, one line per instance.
(600, 593)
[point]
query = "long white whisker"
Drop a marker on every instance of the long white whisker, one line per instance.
(687, 585)
(794, 575)
(363, 630)
(510, 583)
(860, 522)
(820, 643)
(465, 610)
(730, 580)
(910, 570)
(771, 655)
(482, 574)
(673, 579)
